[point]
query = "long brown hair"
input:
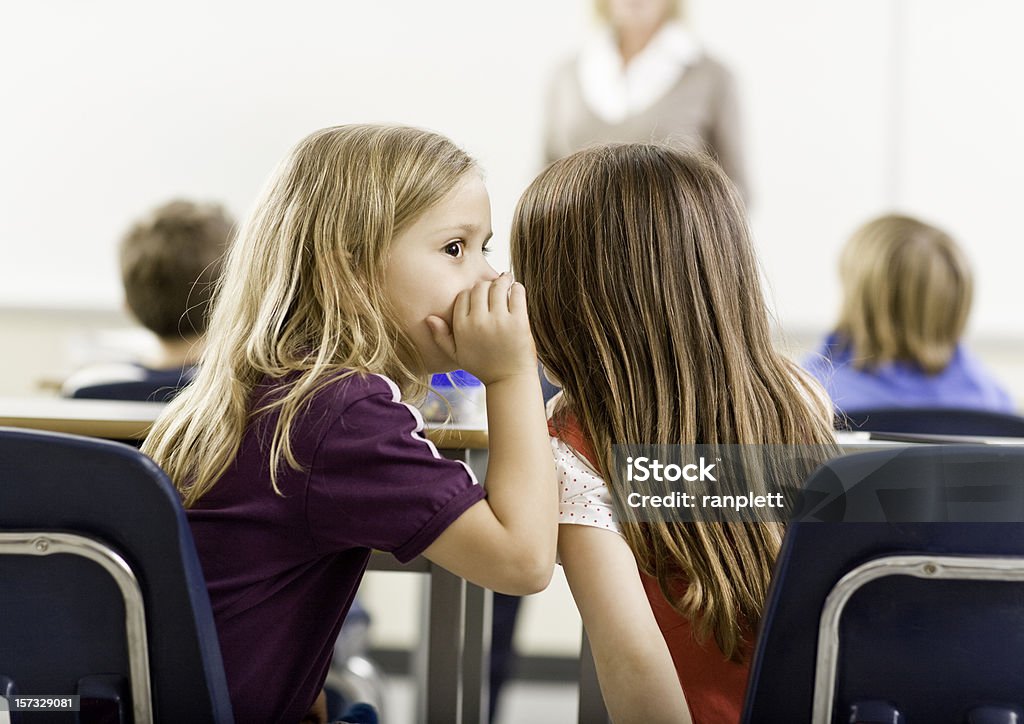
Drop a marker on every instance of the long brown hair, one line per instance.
(301, 299)
(645, 301)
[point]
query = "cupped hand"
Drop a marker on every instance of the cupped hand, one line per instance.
(489, 336)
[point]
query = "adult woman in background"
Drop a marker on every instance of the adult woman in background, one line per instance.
(645, 78)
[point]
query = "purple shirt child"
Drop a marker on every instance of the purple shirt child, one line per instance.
(282, 569)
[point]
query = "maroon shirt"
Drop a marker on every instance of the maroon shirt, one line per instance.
(282, 569)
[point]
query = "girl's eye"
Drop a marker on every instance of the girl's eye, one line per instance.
(454, 249)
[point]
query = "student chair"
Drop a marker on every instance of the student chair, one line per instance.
(934, 421)
(899, 597)
(102, 594)
(130, 382)
(131, 390)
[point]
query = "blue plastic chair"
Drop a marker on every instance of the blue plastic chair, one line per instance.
(103, 595)
(897, 611)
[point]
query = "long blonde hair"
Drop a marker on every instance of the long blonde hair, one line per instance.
(645, 302)
(301, 299)
(907, 291)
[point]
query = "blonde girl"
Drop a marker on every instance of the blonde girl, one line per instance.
(646, 306)
(907, 289)
(361, 271)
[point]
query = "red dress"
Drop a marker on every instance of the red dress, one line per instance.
(713, 685)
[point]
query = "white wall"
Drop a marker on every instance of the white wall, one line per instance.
(115, 107)
(852, 107)
(961, 145)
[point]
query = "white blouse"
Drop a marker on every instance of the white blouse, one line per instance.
(583, 497)
(614, 91)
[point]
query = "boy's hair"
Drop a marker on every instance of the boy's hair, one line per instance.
(906, 294)
(170, 261)
(302, 299)
(645, 302)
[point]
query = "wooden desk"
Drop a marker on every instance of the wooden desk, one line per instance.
(852, 442)
(132, 420)
(457, 616)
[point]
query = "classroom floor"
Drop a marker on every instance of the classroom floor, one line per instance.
(522, 703)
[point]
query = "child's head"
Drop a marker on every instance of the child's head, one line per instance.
(645, 302)
(170, 262)
(641, 281)
(906, 293)
(328, 276)
(319, 275)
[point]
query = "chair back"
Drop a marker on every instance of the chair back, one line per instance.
(908, 605)
(129, 391)
(104, 596)
(934, 421)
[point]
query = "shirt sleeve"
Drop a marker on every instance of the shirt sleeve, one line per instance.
(583, 497)
(378, 482)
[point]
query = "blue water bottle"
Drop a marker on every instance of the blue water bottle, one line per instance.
(464, 394)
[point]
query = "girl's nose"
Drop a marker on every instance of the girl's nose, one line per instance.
(488, 274)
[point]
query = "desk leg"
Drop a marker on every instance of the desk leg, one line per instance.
(458, 622)
(476, 672)
(591, 704)
(446, 615)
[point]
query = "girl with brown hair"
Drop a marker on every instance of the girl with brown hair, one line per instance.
(645, 304)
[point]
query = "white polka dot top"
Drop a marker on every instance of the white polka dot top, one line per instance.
(583, 498)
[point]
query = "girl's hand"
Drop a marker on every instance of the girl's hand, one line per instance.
(490, 334)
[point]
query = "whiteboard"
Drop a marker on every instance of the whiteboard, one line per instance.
(851, 108)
